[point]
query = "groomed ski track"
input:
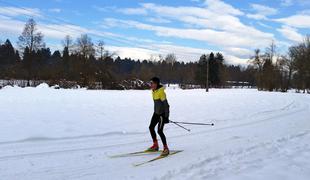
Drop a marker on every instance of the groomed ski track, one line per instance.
(257, 135)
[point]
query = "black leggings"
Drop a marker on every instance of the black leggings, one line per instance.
(158, 119)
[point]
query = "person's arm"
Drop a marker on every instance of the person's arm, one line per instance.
(165, 103)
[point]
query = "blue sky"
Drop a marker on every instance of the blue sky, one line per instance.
(147, 29)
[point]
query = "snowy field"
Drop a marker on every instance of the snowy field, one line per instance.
(70, 134)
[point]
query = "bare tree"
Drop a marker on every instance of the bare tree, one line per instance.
(160, 58)
(301, 58)
(171, 58)
(282, 68)
(30, 37)
(85, 46)
(289, 63)
(271, 51)
(100, 49)
(67, 42)
(109, 54)
(258, 62)
(153, 58)
(103, 53)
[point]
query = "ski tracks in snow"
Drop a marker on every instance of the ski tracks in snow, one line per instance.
(251, 156)
(240, 160)
(271, 134)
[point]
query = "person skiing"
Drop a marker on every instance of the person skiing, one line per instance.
(160, 116)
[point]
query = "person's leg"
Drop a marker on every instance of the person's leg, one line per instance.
(161, 125)
(153, 123)
(160, 131)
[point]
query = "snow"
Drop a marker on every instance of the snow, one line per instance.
(43, 85)
(48, 133)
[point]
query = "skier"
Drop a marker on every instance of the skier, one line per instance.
(160, 116)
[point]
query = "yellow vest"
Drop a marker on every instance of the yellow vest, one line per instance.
(161, 105)
(159, 94)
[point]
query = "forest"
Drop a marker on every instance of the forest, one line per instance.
(88, 64)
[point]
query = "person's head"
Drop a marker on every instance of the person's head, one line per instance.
(155, 82)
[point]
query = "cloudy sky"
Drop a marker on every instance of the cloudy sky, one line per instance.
(188, 28)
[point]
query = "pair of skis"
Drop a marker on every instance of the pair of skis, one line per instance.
(138, 153)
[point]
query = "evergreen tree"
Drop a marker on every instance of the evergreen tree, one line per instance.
(7, 54)
(201, 71)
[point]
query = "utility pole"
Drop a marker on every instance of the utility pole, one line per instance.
(207, 83)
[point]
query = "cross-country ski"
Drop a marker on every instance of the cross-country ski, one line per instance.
(137, 153)
(157, 158)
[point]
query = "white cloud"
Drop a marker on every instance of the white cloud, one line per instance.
(236, 60)
(239, 52)
(157, 20)
(221, 38)
(287, 2)
(298, 21)
(265, 25)
(13, 11)
(220, 7)
(105, 8)
(265, 10)
(217, 16)
(128, 11)
(59, 31)
(137, 51)
(134, 11)
(131, 52)
(290, 33)
(304, 12)
(51, 31)
(256, 16)
(212, 9)
(261, 11)
(174, 12)
(216, 23)
(8, 25)
(55, 10)
(183, 53)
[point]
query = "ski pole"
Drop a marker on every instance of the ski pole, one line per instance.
(181, 126)
(203, 124)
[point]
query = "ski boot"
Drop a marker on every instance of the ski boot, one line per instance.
(153, 148)
(165, 151)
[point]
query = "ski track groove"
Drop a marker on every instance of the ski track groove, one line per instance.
(239, 155)
(275, 117)
(44, 139)
(207, 167)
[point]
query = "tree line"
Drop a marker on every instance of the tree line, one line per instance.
(275, 72)
(90, 65)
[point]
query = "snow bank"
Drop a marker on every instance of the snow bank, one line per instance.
(43, 85)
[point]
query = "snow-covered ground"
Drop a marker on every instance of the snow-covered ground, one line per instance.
(70, 134)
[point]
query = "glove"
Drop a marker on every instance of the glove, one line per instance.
(166, 119)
